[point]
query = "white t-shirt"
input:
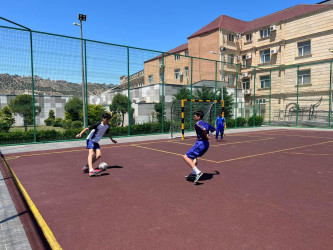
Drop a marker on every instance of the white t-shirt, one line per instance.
(97, 131)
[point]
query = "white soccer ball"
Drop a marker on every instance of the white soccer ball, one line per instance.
(103, 166)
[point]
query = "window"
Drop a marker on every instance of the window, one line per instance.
(231, 80)
(231, 37)
(246, 84)
(265, 56)
(230, 58)
(304, 48)
(186, 52)
(186, 72)
(150, 79)
(244, 60)
(248, 37)
(264, 82)
(177, 57)
(261, 101)
(265, 33)
(177, 73)
(304, 77)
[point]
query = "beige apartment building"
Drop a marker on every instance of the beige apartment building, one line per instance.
(262, 48)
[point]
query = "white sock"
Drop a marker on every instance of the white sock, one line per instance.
(197, 171)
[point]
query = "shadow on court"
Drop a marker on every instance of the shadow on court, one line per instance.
(204, 177)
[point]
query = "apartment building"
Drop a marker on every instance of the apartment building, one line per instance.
(300, 35)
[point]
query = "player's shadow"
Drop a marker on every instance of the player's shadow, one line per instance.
(205, 177)
(106, 173)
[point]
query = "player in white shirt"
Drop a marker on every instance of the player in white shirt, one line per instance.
(97, 132)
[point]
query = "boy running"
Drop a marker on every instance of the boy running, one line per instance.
(200, 147)
(220, 121)
(97, 132)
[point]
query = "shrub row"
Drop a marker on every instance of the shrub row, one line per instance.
(242, 122)
(69, 134)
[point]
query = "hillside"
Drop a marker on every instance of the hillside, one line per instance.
(17, 85)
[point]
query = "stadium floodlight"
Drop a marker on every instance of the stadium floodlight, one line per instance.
(82, 18)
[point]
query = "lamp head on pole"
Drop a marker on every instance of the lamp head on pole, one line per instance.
(76, 24)
(82, 17)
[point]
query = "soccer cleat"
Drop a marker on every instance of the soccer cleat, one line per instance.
(197, 177)
(94, 172)
(85, 170)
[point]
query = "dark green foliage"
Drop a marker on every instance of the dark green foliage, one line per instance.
(183, 93)
(49, 122)
(6, 119)
(74, 110)
(230, 123)
(77, 124)
(57, 122)
(158, 109)
(23, 106)
(241, 122)
(120, 105)
(66, 124)
(95, 113)
(258, 121)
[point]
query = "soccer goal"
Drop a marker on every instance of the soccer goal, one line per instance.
(182, 115)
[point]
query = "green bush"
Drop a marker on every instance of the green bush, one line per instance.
(230, 123)
(66, 124)
(77, 124)
(258, 121)
(57, 122)
(241, 122)
(49, 122)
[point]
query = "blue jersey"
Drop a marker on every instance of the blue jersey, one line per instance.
(220, 122)
(200, 126)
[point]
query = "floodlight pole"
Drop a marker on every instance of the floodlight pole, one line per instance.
(82, 18)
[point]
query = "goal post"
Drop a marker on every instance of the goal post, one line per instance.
(182, 114)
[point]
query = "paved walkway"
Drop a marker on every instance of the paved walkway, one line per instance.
(12, 234)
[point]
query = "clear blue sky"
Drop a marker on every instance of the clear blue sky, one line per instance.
(156, 25)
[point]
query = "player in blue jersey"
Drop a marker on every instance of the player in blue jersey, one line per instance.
(200, 147)
(219, 124)
(97, 132)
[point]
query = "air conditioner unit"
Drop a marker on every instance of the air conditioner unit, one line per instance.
(245, 74)
(274, 51)
(247, 91)
(180, 73)
(248, 56)
(240, 76)
(239, 36)
(239, 58)
(161, 65)
(272, 28)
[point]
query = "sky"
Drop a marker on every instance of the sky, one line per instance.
(155, 25)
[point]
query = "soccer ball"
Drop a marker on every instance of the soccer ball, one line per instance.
(103, 166)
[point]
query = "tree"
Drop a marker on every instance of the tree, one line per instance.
(158, 109)
(50, 119)
(183, 93)
(204, 94)
(23, 105)
(95, 113)
(120, 106)
(6, 119)
(74, 110)
(228, 103)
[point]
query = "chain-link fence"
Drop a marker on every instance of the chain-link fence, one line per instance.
(53, 86)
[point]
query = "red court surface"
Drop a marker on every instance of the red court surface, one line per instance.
(261, 190)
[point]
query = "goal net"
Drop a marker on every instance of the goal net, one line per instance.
(182, 115)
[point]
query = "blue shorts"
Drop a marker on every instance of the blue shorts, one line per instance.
(92, 145)
(199, 148)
